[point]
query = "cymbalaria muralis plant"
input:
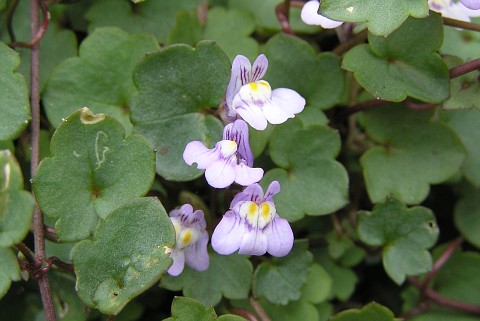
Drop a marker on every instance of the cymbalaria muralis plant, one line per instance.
(273, 160)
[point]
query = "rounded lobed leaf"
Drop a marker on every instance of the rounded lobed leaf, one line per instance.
(129, 252)
(9, 270)
(371, 312)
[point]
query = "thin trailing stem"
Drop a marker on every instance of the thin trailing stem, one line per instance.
(461, 24)
(10, 12)
(259, 310)
(38, 227)
(27, 253)
(349, 44)
(39, 30)
(244, 313)
(51, 234)
(366, 105)
(467, 67)
(282, 11)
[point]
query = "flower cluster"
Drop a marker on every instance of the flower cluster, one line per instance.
(251, 226)
(462, 10)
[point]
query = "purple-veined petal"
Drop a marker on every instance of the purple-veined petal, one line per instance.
(241, 75)
(228, 234)
(288, 100)
(254, 242)
(279, 237)
(245, 175)
(259, 68)
(178, 258)
(252, 114)
(253, 193)
(196, 255)
(241, 137)
(471, 4)
(196, 152)
(273, 188)
(310, 16)
(221, 173)
(200, 219)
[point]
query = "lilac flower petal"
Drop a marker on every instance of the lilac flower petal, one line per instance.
(199, 217)
(254, 242)
(274, 114)
(178, 258)
(273, 188)
(228, 234)
(245, 175)
(196, 152)
(196, 255)
(240, 130)
(279, 237)
(310, 16)
(288, 100)
(253, 193)
(471, 4)
(241, 75)
(220, 174)
(259, 68)
(252, 114)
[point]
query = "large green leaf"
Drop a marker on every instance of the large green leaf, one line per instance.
(155, 17)
(14, 104)
(404, 234)
(294, 64)
(93, 170)
(414, 151)
(128, 254)
(467, 215)
(186, 309)
(227, 276)
(280, 280)
(100, 78)
(9, 270)
(312, 181)
(371, 312)
(382, 17)
(16, 205)
(403, 63)
(177, 87)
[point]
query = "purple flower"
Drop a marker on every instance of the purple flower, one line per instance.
(456, 10)
(310, 16)
(254, 100)
(252, 225)
(191, 240)
(230, 160)
(471, 4)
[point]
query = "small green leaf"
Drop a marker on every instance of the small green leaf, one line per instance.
(308, 170)
(187, 309)
(294, 310)
(280, 281)
(68, 305)
(318, 285)
(16, 205)
(9, 270)
(294, 64)
(227, 276)
(14, 104)
(99, 78)
(371, 312)
(404, 63)
(444, 315)
(128, 254)
(414, 152)
(467, 215)
(155, 17)
(404, 234)
(93, 170)
(461, 43)
(382, 18)
(172, 108)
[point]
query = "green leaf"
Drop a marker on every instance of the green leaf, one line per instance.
(187, 309)
(99, 78)
(467, 215)
(414, 152)
(294, 64)
(371, 312)
(172, 108)
(444, 315)
(308, 170)
(318, 285)
(382, 18)
(16, 205)
(404, 234)
(155, 17)
(68, 305)
(404, 63)
(459, 278)
(94, 169)
(461, 43)
(111, 270)
(294, 310)
(9, 270)
(280, 280)
(227, 276)
(14, 104)
(466, 124)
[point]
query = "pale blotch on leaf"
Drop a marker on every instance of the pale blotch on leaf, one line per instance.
(88, 118)
(6, 176)
(100, 150)
(350, 9)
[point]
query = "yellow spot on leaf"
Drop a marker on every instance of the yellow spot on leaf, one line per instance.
(88, 118)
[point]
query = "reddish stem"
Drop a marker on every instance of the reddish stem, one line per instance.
(349, 44)
(39, 31)
(244, 313)
(465, 68)
(259, 310)
(282, 12)
(369, 104)
(461, 24)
